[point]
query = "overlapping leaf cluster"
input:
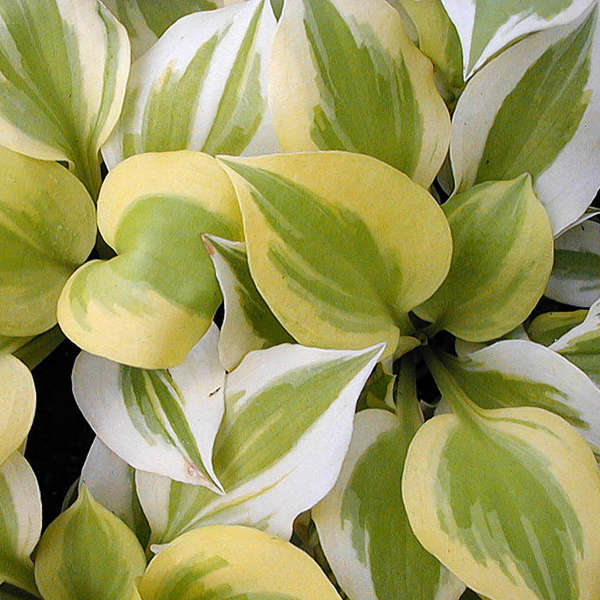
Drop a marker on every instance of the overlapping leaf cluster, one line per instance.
(379, 194)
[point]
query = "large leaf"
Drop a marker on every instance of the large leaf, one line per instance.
(507, 499)
(20, 522)
(151, 304)
(487, 26)
(202, 87)
(575, 276)
(248, 323)
(63, 71)
(88, 554)
(287, 426)
(167, 420)
(225, 563)
(17, 404)
(534, 109)
(47, 230)
(363, 526)
(340, 245)
(501, 261)
(345, 76)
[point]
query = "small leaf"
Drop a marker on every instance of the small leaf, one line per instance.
(248, 324)
(88, 554)
(502, 258)
(345, 76)
(341, 246)
(20, 522)
(151, 304)
(546, 328)
(202, 86)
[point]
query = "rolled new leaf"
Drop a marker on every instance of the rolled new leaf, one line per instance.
(286, 430)
(47, 227)
(575, 277)
(234, 562)
(501, 261)
(345, 76)
(64, 67)
(152, 303)
(17, 404)
(248, 323)
(88, 553)
(167, 419)
(533, 109)
(20, 522)
(202, 86)
(506, 499)
(341, 246)
(486, 27)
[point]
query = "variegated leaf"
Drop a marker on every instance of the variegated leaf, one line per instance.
(546, 328)
(590, 213)
(47, 230)
(225, 563)
(531, 535)
(521, 373)
(438, 40)
(17, 404)
(63, 71)
(87, 552)
(575, 277)
(248, 324)
(20, 522)
(581, 345)
(202, 86)
(111, 481)
(486, 26)
(501, 261)
(463, 348)
(340, 245)
(151, 304)
(287, 426)
(363, 526)
(536, 109)
(167, 420)
(345, 76)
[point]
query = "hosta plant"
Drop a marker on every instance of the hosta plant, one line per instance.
(393, 203)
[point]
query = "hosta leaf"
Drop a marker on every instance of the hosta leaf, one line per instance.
(40, 347)
(501, 261)
(287, 426)
(486, 26)
(546, 328)
(20, 522)
(63, 71)
(47, 230)
(151, 304)
(575, 276)
(345, 76)
(248, 324)
(17, 404)
(520, 373)
(362, 523)
(202, 86)
(167, 419)
(462, 347)
(340, 245)
(437, 39)
(534, 109)
(147, 20)
(507, 499)
(111, 481)
(226, 563)
(581, 345)
(88, 554)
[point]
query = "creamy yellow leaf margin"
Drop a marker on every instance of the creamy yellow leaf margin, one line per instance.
(341, 246)
(151, 304)
(226, 562)
(344, 75)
